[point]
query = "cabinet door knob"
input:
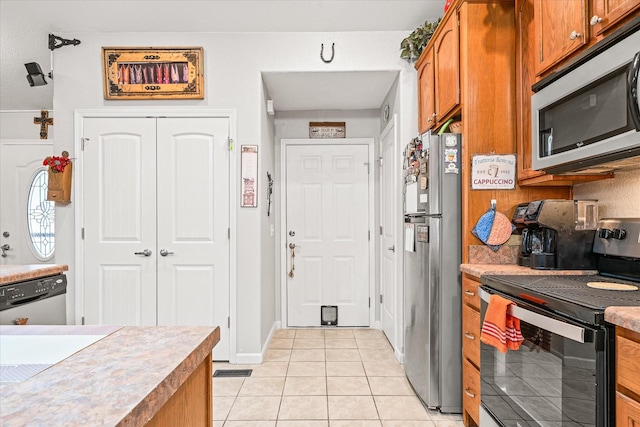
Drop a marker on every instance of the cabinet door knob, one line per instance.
(574, 35)
(595, 20)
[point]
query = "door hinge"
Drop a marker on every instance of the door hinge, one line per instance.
(381, 230)
(381, 298)
(367, 165)
(83, 320)
(229, 233)
(230, 144)
(380, 159)
(229, 322)
(82, 232)
(369, 302)
(369, 235)
(83, 140)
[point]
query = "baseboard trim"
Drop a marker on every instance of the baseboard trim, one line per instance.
(248, 358)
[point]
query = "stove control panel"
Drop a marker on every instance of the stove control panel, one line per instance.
(15, 294)
(618, 237)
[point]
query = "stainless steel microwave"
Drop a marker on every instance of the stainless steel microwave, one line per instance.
(591, 114)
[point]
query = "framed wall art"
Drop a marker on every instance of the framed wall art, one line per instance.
(249, 172)
(319, 130)
(153, 73)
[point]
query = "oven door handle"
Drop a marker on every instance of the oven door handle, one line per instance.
(566, 330)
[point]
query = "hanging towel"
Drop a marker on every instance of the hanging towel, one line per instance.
(500, 329)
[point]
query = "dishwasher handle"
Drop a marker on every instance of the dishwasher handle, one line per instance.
(28, 300)
(547, 323)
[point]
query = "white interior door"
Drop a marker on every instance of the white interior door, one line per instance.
(20, 162)
(119, 200)
(327, 216)
(156, 220)
(193, 221)
(389, 249)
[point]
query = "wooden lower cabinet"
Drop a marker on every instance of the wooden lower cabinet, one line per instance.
(470, 350)
(191, 404)
(470, 394)
(627, 411)
(627, 378)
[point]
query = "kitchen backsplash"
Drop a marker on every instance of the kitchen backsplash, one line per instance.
(617, 197)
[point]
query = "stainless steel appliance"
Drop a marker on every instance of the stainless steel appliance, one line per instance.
(432, 289)
(590, 113)
(564, 373)
(41, 300)
(557, 234)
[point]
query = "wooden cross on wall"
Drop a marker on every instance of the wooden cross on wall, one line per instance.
(44, 121)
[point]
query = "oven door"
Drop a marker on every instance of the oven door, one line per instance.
(558, 377)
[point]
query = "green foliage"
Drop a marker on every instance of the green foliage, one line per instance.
(412, 46)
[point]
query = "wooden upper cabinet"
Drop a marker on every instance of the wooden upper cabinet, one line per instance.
(446, 46)
(561, 29)
(439, 75)
(607, 13)
(426, 90)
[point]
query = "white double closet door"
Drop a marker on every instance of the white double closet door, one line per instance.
(156, 220)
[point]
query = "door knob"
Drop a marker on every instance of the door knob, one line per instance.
(292, 233)
(165, 252)
(146, 252)
(392, 248)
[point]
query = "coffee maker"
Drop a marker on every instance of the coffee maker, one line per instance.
(557, 234)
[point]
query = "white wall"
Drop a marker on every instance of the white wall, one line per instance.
(233, 66)
(19, 125)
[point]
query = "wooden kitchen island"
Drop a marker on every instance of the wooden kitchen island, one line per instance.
(130, 376)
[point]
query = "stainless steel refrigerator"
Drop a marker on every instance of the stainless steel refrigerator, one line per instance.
(432, 279)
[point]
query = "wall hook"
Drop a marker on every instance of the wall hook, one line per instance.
(56, 42)
(333, 52)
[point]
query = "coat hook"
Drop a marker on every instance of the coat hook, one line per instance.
(333, 52)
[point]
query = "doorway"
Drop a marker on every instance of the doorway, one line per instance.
(390, 245)
(327, 222)
(155, 222)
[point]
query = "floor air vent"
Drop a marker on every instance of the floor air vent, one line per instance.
(232, 373)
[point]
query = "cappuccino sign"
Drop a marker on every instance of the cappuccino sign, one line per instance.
(493, 172)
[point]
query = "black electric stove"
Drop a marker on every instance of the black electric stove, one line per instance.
(564, 372)
(617, 247)
(567, 295)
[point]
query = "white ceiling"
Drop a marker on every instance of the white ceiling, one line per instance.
(328, 90)
(25, 24)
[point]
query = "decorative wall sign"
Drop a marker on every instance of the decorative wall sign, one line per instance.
(153, 73)
(327, 130)
(493, 172)
(249, 176)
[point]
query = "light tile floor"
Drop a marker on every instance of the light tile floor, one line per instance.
(323, 378)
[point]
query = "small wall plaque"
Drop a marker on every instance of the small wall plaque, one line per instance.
(493, 172)
(327, 130)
